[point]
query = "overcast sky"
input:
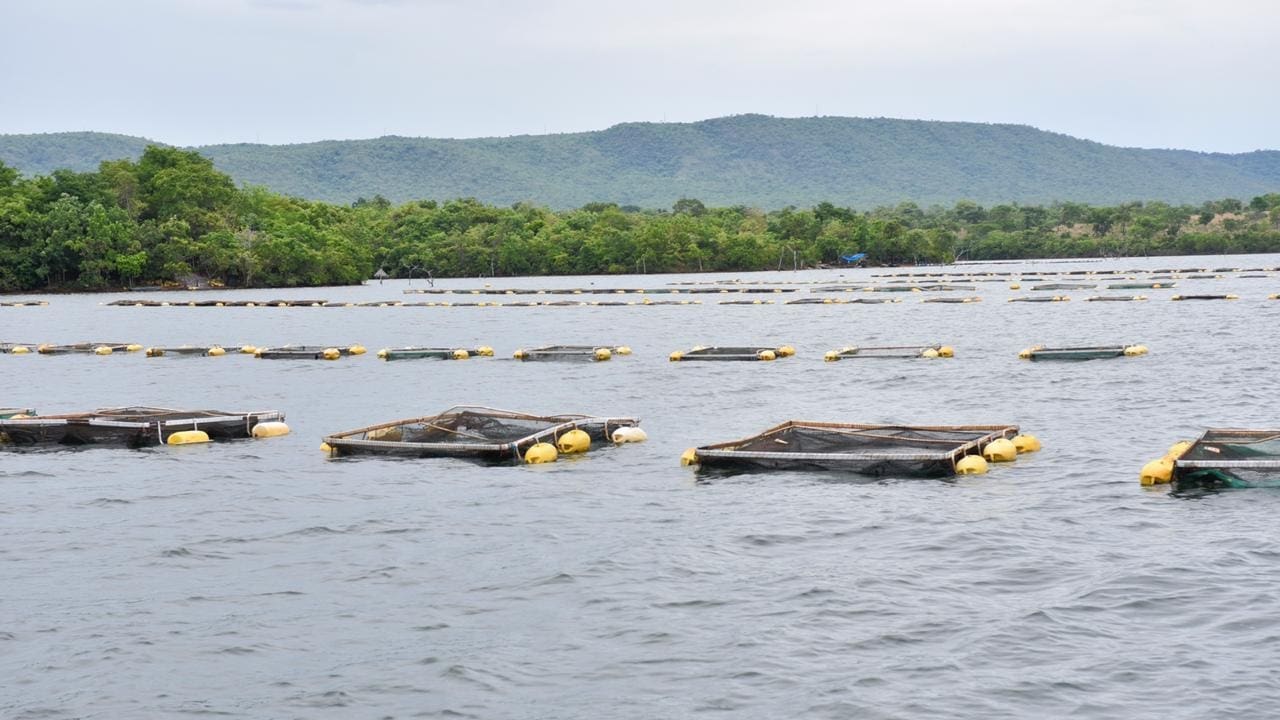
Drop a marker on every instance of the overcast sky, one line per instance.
(1148, 73)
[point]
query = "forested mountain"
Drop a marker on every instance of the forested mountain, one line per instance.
(750, 160)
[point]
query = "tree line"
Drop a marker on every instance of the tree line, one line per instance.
(171, 216)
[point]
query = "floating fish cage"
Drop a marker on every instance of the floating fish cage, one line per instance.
(1205, 297)
(436, 353)
(1039, 298)
(132, 426)
(1100, 352)
(88, 348)
(482, 434)
(17, 348)
(26, 303)
(1116, 298)
(188, 351)
(1141, 286)
(953, 300)
(1229, 459)
(572, 353)
(308, 352)
(1063, 286)
(890, 352)
(873, 450)
(6, 413)
(747, 353)
(748, 302)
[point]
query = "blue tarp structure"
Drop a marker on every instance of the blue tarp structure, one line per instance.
(856, 257)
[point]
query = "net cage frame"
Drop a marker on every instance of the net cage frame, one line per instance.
(300, 352)
(427, 353)
(134, 426)
(566, 352)
(941, 463)
(730, 352)
(1203, 466)
(187, 350)
(346, 443)
(885, 352)
(86, 348)
(1094, 352)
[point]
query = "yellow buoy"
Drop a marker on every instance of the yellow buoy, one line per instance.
(1233, 297)
(188, 437)
(946, 351)
(1026, 443)
(19, 350)
(574, 441)
(1135, 350)
(1026, 353)
(520, 354)
(249, 304)
(1156, 472)
(331, 353)
(1178, 449)
(132, 347)
(628, 435)
(484, 351)
(785, 351)
(676, 356)
(830, 356)
(929, 353)
(154, 352)
(602, 354)
(356, 350)
(767, 355)
(971, 465)
(689, 457)
(382, 353)
(326, 448)
(622, 350)
(282, 304)
(541, 453)
(270, 429)
(215, 351)
(1000, 450)
(102, 350)
(218, 304)
(248, 350)
(1015, 286)
(461, 354)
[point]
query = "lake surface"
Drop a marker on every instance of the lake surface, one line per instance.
(261, 580)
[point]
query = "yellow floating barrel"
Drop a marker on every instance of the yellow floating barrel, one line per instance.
(971, 465)
(188, 437)
(1000, 450)
(1026, 443)
(331, 353)
(270, 429)
(541, 453)
(689, 457)
(572, 442)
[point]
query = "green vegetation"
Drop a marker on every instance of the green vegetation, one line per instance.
(172, 215)
(752, 160)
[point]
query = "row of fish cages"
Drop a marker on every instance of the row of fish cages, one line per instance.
(820, 296)
(1219, 459)
(569, 353)
(24, 303)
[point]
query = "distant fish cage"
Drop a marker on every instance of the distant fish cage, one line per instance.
(741, 353)
(872, 450)
(130, 426)
(1099, 352)
(308, 352)
(88, 348)
(572, 353)
(889, 352)
(474, 433)
(6, 413)
(434, 353)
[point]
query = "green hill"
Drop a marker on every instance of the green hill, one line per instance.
(748, 159)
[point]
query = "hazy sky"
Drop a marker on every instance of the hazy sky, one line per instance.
(1149, 73)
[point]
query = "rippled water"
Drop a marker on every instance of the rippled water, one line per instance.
(259, 579)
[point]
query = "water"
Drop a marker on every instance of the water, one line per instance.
(260, 580)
